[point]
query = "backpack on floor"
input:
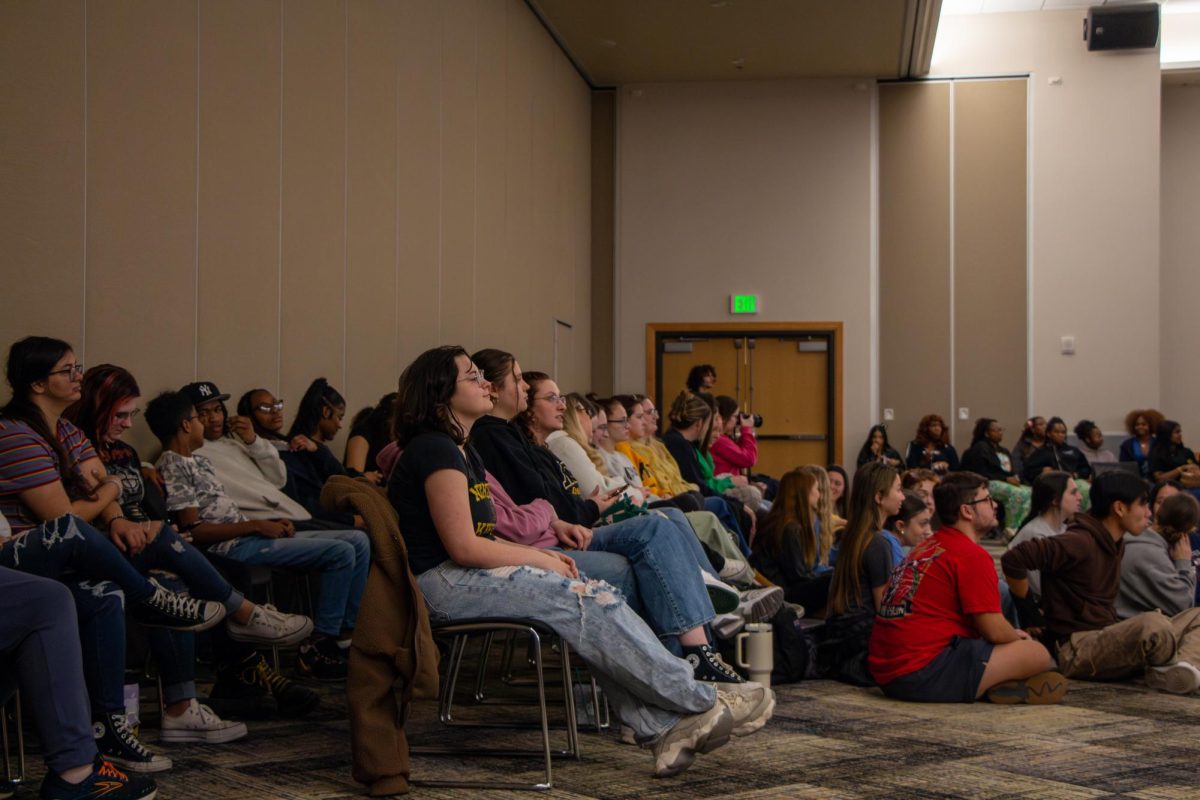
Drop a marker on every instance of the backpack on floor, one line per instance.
(795, 648)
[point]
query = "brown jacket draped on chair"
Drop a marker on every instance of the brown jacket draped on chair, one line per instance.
(392, 641)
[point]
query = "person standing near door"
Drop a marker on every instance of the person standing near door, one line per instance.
(702, 378)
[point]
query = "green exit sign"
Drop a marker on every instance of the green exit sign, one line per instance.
(743, 304)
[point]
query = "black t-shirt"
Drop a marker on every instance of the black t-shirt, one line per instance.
(425, 455)
(1164, 458)
(876, 567)
(140, 501)
(375, 443)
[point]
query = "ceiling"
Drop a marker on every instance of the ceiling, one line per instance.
(616, 42)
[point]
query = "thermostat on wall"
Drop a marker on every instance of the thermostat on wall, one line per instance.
(743, 304)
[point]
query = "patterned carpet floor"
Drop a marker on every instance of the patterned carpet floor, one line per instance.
(827, 740)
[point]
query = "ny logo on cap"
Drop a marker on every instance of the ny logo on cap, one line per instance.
(205, 389)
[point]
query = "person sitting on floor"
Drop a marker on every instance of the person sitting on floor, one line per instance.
(198, 500)
(931, 449)
(448, 521)
(39, 641)
(923, 482)
(828, 521)
(839, 486)
(1055, 501)
(939, 636)
(1081, 578)
(988, 457)
(370, 432)
(877, 448)
(1140, 424)
(1158, 495)
(860, 575)
(1056, 454)
(304, 449)
(1091, 443)
(787, 548)
(1156, 568)
(1171, 459)
(911, 524)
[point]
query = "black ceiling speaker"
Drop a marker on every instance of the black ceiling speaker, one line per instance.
(1121, 27)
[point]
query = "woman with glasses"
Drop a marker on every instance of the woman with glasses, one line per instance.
(304, 449)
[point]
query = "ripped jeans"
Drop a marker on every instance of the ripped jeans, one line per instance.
(649, 689)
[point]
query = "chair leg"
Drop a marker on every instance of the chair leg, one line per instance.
(17, 776)
(485, 652)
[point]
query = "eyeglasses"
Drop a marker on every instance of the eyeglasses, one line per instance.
(268, 408)
(72, 371)
(477, 377)
(615, 421)
(987, 499)
(127, 416)
(553, 399)
(603, 427)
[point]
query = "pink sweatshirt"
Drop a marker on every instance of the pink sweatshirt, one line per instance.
(731, 456)
(529, 524)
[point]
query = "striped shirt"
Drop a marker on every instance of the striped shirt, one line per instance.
(28, 461)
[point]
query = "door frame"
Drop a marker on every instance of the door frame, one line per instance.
(656, 332)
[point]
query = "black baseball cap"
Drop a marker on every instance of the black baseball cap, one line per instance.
(203, 392)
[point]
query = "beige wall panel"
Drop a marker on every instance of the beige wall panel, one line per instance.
(576, 131)
(990, 375)
(418, 151)
(543, 289)
(1180, 296)
(496, 308)
(141, 192)
(457, 298)
(914, 255)
(238, 283)
(314, 184)
(603, 188)
(41, 171)
(372, 358)
(519, 247)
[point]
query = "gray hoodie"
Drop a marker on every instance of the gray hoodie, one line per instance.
(1150, 579)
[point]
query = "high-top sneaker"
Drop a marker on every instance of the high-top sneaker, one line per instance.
(117, 742)
(707, 665)
(321, 660)
(241, 690)
(167, 609)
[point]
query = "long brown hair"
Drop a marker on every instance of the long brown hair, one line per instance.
(790, 507)
(824, 510)
(926, 438)
(865, 521)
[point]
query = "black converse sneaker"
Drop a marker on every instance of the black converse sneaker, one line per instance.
(708, 666)
(167, 609)
(320, 660)
(244, 688)
(117, 742)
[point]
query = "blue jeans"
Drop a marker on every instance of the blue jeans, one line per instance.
(341, 557)
(100, 606)
(39, 639)
(670, 588)
(649, 689)
(720, 507)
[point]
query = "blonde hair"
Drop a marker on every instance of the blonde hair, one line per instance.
(824, 510)
(687, 409)
(574, 429)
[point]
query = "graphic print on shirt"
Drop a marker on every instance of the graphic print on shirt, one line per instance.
(481, 493)
(906, 578)
(568, 480)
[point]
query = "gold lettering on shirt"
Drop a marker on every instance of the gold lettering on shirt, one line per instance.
(485, 529)
(481, 492)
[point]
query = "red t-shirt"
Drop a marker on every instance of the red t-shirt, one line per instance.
(929, 600)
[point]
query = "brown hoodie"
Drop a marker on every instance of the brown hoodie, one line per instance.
(1081, 575)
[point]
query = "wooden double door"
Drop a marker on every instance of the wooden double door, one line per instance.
(788, 377)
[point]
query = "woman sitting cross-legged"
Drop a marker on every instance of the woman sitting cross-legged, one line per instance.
(105, 412)
(911, 525)
(988, 457)
(787, 550)
(1156, 568)
(448, 521)
(1055, 499)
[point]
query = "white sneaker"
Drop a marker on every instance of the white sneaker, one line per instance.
(759, 605)
(271, 627)
(724, 597)
(750, 704)
(737, 572)
(676, 749)
(200, 724)
(1178, 678)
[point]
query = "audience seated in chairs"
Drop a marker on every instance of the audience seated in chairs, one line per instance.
(39, 644)
(940, 636)
(877, 448)
(1056, 454)
(370, 432)
(105, 412)
(734, 446)
(1081, 576)
(1091, 443)
(448, 520)
(931, 449)
(988, 457)
(1032, 439)
(51, 486)
(1140, 424)
(200, 504)
(1156, 567)
(1055, 500)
